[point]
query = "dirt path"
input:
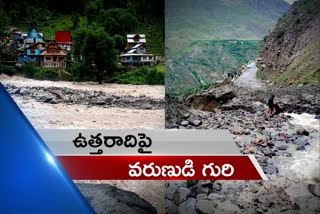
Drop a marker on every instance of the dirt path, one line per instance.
(248, 78)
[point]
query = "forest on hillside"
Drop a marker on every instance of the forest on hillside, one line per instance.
(98, 28)
(206, 40)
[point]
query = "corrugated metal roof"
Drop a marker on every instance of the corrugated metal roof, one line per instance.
(133, 35)
(140, 40)
(136, 46)
(134, 54)
(131, 51)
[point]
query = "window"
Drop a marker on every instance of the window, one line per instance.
(48, 58)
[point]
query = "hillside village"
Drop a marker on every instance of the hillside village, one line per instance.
(33, 47)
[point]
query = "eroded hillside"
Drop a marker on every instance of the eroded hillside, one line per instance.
(291, 52)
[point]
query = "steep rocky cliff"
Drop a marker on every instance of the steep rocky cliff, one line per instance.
(291, 52)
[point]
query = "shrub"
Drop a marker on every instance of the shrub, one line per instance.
(9, 70)
(80, 71)
(29, 69)
(143, 75)
(47, 74)
(65, 75)
(279, 34)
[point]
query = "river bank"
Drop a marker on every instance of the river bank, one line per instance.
(60, 104)
(68, 105)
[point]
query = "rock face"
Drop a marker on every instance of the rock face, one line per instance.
(105, 198)
(210, 99)
(290, 54)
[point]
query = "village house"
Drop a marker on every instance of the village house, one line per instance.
(135, 53)
(64, 40)
(53, 57)
(134, 39)
(32, 47)
(32, 53)
(33, 37)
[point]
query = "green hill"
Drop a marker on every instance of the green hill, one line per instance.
(190, 20)
(203, 62)
(51, 15)
(195, 56)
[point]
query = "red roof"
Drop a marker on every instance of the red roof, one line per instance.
(63, 36)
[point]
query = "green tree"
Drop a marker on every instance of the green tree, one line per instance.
(78, 36)
(119, 42)
(4, 22)
(128, 23)
(118, 21)
(99, 49)
(75, 20)
(111, 26)
(93, 9)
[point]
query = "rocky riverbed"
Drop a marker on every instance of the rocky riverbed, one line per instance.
(285, 145)
(60, 104)
(55, 95)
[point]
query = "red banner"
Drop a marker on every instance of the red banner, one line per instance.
(162, 167)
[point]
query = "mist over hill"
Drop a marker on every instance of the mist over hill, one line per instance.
(190, 20)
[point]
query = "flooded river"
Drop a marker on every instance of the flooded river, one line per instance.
(303, 164)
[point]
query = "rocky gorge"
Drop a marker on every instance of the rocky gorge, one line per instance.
(287, 151)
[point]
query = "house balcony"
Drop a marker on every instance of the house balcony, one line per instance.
(53, 64)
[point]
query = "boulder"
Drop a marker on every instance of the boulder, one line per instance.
(187, 207)
(196, 123)
(302, 131)
(301, 148)
(224, 94)
(105, 198)
(237, 130)
(184, 123)
(24, 91)
(15, 91)
(180, 195)
(209, 100)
